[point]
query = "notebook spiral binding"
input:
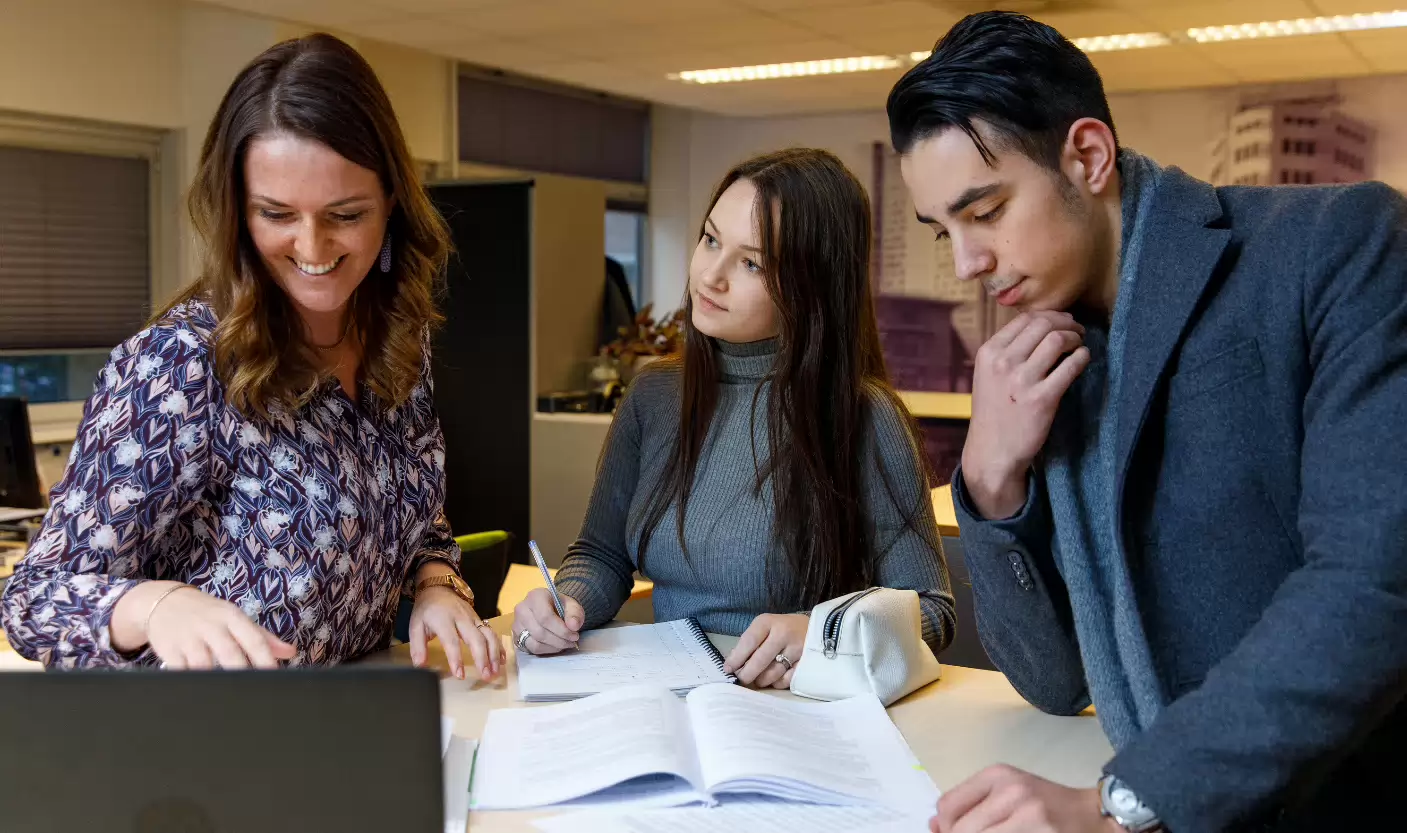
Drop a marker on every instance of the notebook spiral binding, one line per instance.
(697, 630)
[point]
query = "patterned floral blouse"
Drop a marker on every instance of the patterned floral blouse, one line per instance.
(312, 522)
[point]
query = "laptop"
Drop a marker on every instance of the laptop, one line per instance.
(342, 750)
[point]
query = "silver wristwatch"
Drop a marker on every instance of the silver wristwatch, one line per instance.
(1118, 802)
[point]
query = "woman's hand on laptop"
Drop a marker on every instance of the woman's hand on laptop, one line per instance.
(547, 632)
(755, 659)
(189, 629)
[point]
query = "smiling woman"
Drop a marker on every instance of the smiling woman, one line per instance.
(260, 473)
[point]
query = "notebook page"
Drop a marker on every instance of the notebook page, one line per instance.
(667, 654)
(536, 757)
(749, 816)
(458, 768)
(849, 750)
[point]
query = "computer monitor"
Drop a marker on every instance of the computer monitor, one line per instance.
(349, 749)
(19, 475)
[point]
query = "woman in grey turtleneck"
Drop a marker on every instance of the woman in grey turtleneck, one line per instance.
(777, 432)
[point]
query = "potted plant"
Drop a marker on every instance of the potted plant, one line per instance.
(646, 340)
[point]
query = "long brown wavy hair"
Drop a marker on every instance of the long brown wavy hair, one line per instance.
(320, 88)
(827, 382)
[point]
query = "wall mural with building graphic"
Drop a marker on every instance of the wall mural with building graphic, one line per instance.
(1292, 141)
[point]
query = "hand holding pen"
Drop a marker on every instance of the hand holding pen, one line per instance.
(546, 622)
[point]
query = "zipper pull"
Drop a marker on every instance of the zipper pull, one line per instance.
(830, 647)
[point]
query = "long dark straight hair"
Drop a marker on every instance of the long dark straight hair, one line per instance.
(814, 222)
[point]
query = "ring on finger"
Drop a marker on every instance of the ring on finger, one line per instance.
(522, 640)
(786, 663)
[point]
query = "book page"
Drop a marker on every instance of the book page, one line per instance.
(541, 756)
(666, 654)
(848, 751)
(749, 816)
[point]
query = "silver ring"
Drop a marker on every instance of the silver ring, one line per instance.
(523, 640)
(786, 663)
(484, 625)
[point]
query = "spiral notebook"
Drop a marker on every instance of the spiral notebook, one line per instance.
(676, 655)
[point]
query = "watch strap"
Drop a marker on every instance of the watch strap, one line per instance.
(449, 580)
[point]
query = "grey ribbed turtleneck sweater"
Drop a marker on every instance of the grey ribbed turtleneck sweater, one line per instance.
(729, 525)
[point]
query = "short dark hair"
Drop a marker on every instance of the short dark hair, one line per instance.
(1022, 79)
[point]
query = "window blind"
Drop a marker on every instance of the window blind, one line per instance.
(75, 249)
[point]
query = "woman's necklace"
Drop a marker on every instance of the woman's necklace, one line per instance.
(338, 343)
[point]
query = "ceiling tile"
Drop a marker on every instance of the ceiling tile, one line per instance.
(1161, 68)
(526, 18)
(1333, 7)
(751, 28)
(924, 20)
(503, 53)
(606, 41)
(1172, 16)
(422, 32)
(663, 63)
(429, 6)
(1135, 6)
(896, 41)
(1085, 24)
(330, 14)
(793, 5)
(1276, 59)
(1385, 50)
(780, 53)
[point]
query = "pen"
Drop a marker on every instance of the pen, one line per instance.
(547, 577)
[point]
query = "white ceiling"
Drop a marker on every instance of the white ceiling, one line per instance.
(629, 46)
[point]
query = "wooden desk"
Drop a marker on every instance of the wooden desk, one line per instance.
(521, 579)
(943, 511)
(967, 720)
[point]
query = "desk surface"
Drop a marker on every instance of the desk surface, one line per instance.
(967, 720)
(943, 511)
(521, 578)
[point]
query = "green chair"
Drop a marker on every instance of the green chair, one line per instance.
(483, 565)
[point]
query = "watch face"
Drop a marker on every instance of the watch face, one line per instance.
(1123, 801)
(1123, 804)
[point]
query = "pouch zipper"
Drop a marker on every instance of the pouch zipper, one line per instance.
(830, 632)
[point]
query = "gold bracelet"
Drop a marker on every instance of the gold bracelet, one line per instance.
(146, 625)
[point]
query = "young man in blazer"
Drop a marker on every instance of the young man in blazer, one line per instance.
(1183, 495)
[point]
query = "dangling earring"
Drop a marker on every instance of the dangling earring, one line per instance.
(386, 254)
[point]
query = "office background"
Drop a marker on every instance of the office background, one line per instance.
(104, 103)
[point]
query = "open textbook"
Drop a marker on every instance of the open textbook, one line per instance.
(644, 745)
(743, 816)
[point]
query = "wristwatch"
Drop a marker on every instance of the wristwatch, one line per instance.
(449, 580)
(1118, 802)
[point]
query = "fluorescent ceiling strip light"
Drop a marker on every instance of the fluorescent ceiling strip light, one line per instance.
(1300, 26)
(1102, 43)
(1115, 43)
(796, 69)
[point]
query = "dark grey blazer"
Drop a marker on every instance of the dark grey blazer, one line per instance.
(1262, 501)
